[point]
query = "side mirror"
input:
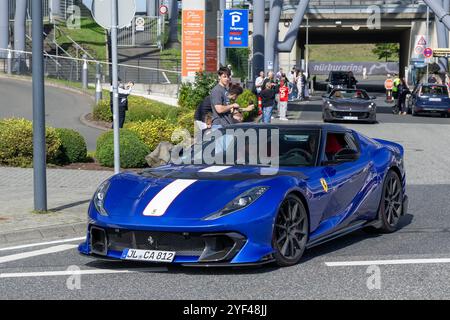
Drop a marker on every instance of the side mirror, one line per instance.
(346, 155)
(373, 97)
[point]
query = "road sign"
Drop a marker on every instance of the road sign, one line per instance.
(441, 52)
(163, 10)
(101, 11)
(235, 34)
(428, 53)
(389, 84)
(140, 24)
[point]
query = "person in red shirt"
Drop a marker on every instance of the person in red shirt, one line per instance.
(284, 98)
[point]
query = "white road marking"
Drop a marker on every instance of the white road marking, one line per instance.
(386, 262)
(26, 255)
(31, 245)
(71, 273)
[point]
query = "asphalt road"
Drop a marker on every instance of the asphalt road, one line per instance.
(63, 107)
(412, 263)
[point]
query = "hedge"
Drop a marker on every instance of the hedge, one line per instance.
(132, 150)
(139, 109)
(152, 132)
(16, 143)
(73, 147)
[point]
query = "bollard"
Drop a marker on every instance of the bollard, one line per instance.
(9, 62)
(84, 73)
(98, 92)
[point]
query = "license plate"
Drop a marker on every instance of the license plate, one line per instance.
(435, 99)
(350, 118)
(148, 255)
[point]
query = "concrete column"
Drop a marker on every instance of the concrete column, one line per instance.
(272, 33)
(222, 50)
(404, 51)
(259, 20)
(4, 27)
(152, 9)
(173, 23)
(442, 36)
(19, 34)
(55, 8)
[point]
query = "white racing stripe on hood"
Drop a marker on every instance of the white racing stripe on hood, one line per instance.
(159, 204)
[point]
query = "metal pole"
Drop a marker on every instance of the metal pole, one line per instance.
(428, 40)
(39, 148)
(307, 47)
(442, 35)
(272, 33)
(222, 50)
(259, 19)
(115, 86)
(173, 23)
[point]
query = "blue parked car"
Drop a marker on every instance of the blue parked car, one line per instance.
(430, 99)
(328, 181)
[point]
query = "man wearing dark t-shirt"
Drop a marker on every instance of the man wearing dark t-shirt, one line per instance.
(221, 109)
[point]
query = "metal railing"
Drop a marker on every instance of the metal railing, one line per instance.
(70, 68)
(341, 3)
(143, 31)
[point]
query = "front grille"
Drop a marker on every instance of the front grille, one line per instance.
(183, 244)
(342, 114)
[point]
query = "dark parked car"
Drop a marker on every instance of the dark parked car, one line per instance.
(430, 98)
(340, 80)
(349, 105)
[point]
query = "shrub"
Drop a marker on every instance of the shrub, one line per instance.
(73, 146)
(152, 132)
(186, 121)
(132, 150)
(16, 143)
(139, 109)
(192, 94)
(244, 100)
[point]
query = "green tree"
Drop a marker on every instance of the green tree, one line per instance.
(386, 50)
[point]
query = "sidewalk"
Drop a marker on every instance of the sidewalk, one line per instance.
(69, 194)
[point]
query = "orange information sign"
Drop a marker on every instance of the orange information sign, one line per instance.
(389, 84)
(193, 43)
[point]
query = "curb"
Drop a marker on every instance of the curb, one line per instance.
(44, 233)
(87, 123)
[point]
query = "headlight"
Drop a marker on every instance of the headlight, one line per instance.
(99, 198)
(240, 202)
(371, 106)
(330, 104)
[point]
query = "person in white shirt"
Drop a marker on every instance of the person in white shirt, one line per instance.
(259, 82)
(124, 92)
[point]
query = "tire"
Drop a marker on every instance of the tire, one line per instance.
(290, 233)
(391, 203)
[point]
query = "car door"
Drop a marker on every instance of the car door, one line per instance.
(346, 179)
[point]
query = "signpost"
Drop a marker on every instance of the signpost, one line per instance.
(163, 10)
(235, 28)
(428, 53)
(114, 15)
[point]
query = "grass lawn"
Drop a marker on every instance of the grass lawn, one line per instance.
(90, 36)
(343, 53)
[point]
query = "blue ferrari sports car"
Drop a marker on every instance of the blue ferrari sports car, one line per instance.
(321, 181)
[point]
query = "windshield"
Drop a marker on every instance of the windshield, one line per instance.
(349, 94)
(339, 77)
(434, 90)
(256, 147)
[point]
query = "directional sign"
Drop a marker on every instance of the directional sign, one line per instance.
(428, 53)
(235, 28)
(441, 52)
(101, 11)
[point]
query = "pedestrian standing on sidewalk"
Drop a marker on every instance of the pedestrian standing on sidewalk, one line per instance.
(403, 91)
(284, 98)
(259, 83)
(124, 92)
(268, 101)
